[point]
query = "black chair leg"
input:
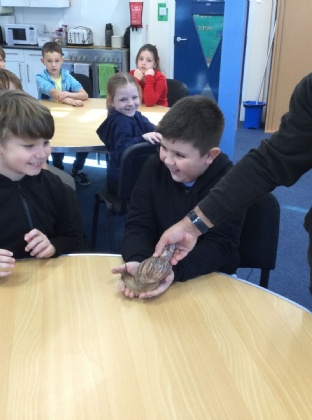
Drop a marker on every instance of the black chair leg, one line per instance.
(264, 278)
(95, 219)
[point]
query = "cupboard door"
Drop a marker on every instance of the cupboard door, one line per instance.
(49, 3)
(15, 63)
(15, 3)
(19, 70)
(33, 66)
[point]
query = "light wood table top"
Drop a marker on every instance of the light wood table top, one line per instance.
(74, 348)
(75, 127)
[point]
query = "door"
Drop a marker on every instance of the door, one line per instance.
(198, 45)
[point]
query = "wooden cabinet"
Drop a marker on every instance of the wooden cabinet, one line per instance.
(36, 3)
(25, 64)
(291, 59)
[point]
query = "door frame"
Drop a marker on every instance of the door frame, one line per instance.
(231, 69)
(232, 60)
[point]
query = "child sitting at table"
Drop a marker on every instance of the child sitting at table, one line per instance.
(37, 218)
(151, 80)
(124, 125)
(189, 164)
(58, 84)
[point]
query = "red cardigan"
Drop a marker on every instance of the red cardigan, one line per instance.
(154, 89)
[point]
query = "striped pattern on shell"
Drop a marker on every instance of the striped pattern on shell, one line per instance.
(150, 272)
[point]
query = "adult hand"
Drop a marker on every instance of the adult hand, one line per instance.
(152, 137)
(138, 74)
(6, 262)
(38, 245)
(183, 234)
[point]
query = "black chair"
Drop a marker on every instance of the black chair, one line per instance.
(85, 82)
(176, 91)
(132, 162)
(259, 237)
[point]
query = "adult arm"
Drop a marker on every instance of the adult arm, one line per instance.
(281, 160)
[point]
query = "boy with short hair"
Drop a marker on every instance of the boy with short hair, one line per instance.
(58, 84)
(37, 218)
(189, 164)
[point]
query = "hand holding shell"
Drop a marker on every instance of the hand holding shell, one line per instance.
(150, 272)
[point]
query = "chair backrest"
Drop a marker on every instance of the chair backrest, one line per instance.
(176, 91)
(85, 81)
(132, 161)
(259, 237)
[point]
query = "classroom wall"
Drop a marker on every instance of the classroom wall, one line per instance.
(93, 14)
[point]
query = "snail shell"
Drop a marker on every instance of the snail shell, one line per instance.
(150, 272)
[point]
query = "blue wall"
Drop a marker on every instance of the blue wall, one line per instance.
(231, 69)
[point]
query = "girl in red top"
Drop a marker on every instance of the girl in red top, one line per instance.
(147, 74)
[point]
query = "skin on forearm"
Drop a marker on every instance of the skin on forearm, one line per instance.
(203, 217)
(82, 95)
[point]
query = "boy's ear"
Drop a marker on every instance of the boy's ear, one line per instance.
(41, 59)
(212, 154)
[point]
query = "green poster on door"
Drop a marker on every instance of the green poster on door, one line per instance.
(209, 29)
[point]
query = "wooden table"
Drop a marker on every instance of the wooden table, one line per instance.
(75, 127)
(74, 348)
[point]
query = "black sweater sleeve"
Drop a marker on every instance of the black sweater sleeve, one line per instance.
(281, 160)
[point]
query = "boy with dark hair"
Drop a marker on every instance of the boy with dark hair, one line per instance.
(36, 214)
(58, 84)
(189, 164)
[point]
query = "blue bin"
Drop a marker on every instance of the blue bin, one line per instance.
(253, 112)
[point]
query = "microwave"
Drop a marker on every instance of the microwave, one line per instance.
(22, 33)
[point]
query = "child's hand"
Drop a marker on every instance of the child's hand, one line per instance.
(163, 286)
(150, 72)
(73, 102)
(62, 95)
(6, 262)
(39, 245)
(152, 137)
(131, 268)
(138, 74)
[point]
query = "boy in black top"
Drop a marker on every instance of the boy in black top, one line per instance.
(189, 164)
(36, 214)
